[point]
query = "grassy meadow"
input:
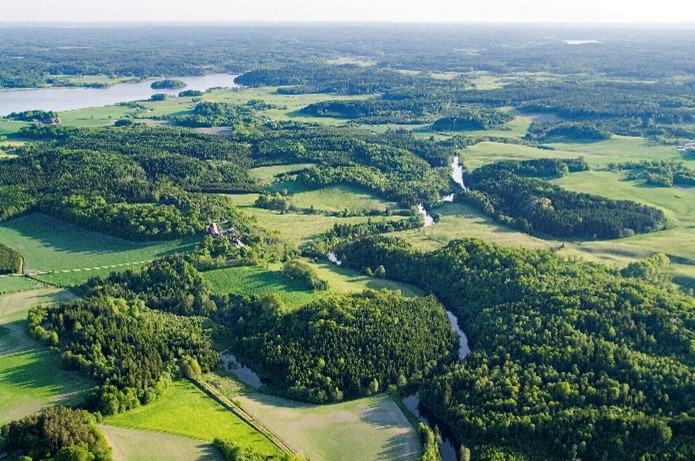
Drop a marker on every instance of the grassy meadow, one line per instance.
(30, 378)
(48, 244)
(257, 280)
(186, 411)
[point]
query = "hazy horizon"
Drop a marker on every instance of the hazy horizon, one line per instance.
(189, 12)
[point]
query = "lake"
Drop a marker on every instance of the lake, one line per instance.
(63, 99)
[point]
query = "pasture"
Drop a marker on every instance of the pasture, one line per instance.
(186, 411)
(30, 378)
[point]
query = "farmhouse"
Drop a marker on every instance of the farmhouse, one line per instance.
(687, 147)
(214, 230)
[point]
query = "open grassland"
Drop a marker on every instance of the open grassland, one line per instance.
(287, 106)
(372, 428)
(13, 283)
(342, 197)
(78, 277)
(30, 378)
(258, 280)
(94, 116)
(677, 204)
(49, 244)
(140, 445)
(460, 221)
(614, 150)
(186, 411)
(293, 227)
(266, 174)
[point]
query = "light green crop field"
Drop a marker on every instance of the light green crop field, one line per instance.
(30, 378)
(49, 244)
(185, 410)
(140, 445)
(342, 197)
(370, 428)
(259, 280)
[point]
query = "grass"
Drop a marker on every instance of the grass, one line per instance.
(11, 284)
(48, 244)
(139, 445)
(342, 197)
(616, 149)
(368, 428)
(266, 174)
(30, 378)
(677, 204)
(296, 228)
(186, 411)
(256, 280)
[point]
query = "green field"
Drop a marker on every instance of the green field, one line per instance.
(300, 228)
(186, 411)
(30, 378)
(258, 280)
(368, 429)
(10, 284)
(616, 149)
(266, 174)
(139, 445)
(342, 197)
(49, 244)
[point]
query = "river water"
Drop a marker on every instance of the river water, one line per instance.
(62, 99)
(457, 174)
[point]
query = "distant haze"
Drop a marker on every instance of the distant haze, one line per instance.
(518, 11)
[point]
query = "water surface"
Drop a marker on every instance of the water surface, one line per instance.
(63, 99)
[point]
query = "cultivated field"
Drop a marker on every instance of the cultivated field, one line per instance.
(140, 445)
(186, 411)
(372, 428)
(49, 244)
(30, 378)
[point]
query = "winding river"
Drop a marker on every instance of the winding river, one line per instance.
(72, 98)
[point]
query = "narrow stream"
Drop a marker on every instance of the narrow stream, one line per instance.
(429, 220)
(447, 447)
(457, 174)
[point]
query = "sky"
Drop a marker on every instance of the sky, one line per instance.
(519, 11)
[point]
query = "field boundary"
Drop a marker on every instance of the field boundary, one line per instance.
(244, 416)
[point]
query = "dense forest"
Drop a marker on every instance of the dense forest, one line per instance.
(658, 173)
(569, 358)
(10, 260)
(340, 346)
(56, 434)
